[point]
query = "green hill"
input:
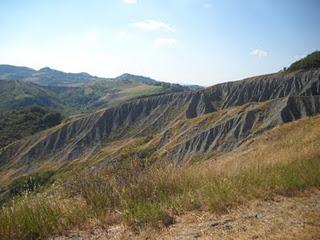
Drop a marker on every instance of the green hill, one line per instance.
(65, 94)
(18, 94)
(51, 77)
(73, 93)
(26, 121)
(45, 76)
(309, 62)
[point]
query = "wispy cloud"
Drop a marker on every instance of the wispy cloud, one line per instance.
(260, 53)
(165, 42)
(151, 25)
(130, 1)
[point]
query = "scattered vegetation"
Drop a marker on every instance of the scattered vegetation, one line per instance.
(151, 197)
(29, 120)
(309, 62)
(30, 183)
(143, 193)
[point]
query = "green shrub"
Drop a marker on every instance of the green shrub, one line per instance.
(29, 183)
(309, 62)
(142, 213)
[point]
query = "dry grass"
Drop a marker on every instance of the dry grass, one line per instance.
(152, 198)
(38, 217)
(155, 195)
(286, 143)
(284, 161)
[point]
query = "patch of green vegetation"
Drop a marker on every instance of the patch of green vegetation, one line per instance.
(30, 183)
(309, 62)
(29, 120)
(139, 214)
(15, 95)
(103, 93)
(101, 155)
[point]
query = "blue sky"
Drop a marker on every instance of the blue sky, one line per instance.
(186, 41)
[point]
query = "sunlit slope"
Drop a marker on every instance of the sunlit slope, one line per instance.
(179, 126)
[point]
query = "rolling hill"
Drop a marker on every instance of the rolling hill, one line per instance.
(45, 76)
(17, 94)
(143, 161)
(73, 93)
(67, 93)
(181, 126)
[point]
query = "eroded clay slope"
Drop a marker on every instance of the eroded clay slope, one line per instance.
(264, 101)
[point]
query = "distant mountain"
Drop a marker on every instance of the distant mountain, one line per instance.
(72, 100)
(45, 76)
(142, 79)
(108, 92)
(146, 80)
(10, 72)
(72, 93)
(51, 77)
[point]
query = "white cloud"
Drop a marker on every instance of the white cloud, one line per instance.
(259, 53)
(151, 25)
(165, 42)
(130, 1)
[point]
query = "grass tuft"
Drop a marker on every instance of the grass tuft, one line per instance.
(35, 217)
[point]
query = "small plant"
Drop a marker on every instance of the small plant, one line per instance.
(30, 183)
